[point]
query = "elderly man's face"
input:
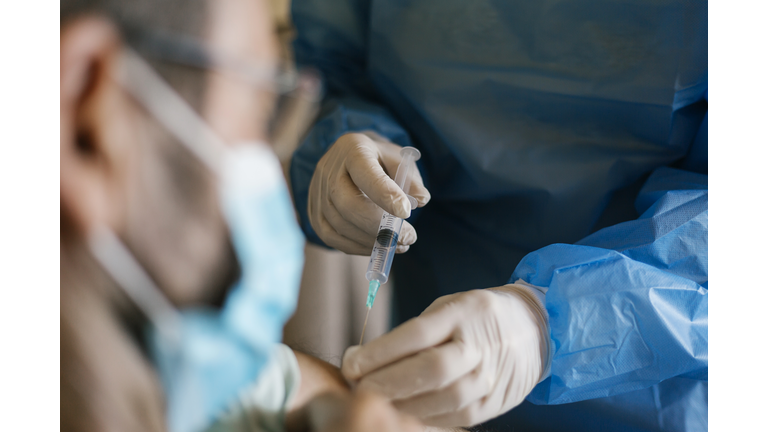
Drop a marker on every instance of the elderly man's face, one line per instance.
(121, 168)
(180, 233)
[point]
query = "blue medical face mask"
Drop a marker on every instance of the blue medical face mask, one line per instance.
(206, 356)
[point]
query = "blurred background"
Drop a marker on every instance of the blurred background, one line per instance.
(331, 310)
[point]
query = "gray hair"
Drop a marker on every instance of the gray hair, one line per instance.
(187, 18)
(177, 16)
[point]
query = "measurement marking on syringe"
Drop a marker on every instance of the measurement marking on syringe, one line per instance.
(380, 257)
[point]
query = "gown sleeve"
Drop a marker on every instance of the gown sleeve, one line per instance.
(332, 37)
(262, 406)
(628, 305)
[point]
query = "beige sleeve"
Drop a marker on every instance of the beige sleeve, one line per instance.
(261, 407)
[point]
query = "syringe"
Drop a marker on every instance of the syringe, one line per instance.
(389, 231)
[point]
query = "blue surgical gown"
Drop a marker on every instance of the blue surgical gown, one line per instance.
(564, 143)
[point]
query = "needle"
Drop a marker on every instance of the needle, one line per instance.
(364, 324)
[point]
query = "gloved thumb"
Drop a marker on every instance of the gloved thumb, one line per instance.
(368, 175)
(348, 353)
(390, 156)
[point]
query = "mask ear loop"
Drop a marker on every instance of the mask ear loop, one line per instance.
(160, 100)
(138, 78)
(121, 265)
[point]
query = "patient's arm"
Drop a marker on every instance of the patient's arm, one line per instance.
(325, 402)
(317, 377)
(441, 429)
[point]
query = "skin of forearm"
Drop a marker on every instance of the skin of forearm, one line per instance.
(319, 377)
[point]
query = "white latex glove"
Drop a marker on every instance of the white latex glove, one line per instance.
(467, 358)
(351, 184)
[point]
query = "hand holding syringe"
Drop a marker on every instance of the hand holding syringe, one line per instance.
(389, 231)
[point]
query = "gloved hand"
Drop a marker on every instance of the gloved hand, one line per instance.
(467, 358)
(351, 184)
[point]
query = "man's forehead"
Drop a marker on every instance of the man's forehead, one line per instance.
(242, 28)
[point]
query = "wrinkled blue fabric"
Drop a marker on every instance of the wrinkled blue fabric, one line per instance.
(641, 284)
(564, 143)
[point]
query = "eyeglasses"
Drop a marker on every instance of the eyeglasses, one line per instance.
(297, 93)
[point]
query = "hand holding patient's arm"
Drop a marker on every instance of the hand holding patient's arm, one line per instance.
(324, 402)
(467, 358)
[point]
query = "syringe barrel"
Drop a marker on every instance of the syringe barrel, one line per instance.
(389, 228)
(384, 248)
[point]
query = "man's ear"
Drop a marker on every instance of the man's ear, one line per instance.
(90, 108)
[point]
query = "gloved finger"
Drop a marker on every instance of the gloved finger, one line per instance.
(360, 211)
(354, 206)
(336, 240)
(470, 415)
(418, 190)
(441, 301)
(414, 335)
(323, 228)
(430, 369)
(407, 235)
(371, 412)
(369, 176)
(467, 389)
(391, 161)
(341, 225)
